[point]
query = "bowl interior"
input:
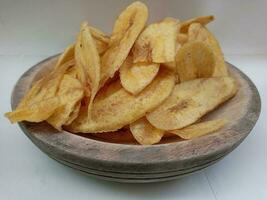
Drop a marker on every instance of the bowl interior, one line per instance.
(232, 110)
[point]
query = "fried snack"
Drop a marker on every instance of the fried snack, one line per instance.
(42, 94)
(126, 29)
(197, 32)
(182, 38)
(70, 93)
(203, 20)
(66, 56)
(145, 133)
(35, 112)
(191, 100)
(157, 43)
(88, 61)
(101, 39)
(195, 60)
(199, 129)
(74, 114)
(135, 77)
(116, 109)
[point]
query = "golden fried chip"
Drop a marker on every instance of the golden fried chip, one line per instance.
(101, 39)
(74, 114)
(125, 31)
(135, 77)
(195, 60)
(145, 133)
(199, 129)
(203, 20)
(157, 43)
(36, 112)
(66, 56)
(197, 32)
(70, 93)
(191, 100)
(119, 108)
(182, 38)
(87, 59)
(46, 87)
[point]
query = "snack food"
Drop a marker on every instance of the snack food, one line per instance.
(143, 82)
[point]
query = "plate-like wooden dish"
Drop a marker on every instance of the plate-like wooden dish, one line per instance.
(129, 162)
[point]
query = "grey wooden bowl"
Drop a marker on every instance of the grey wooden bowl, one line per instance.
(128, 162)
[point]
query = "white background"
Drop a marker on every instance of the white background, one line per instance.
(31, 30)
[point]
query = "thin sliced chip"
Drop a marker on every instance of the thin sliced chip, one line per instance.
(72, 71)
(70, 93)
(195, 60)
(182, 38)
(66, 56)
(199, 129)
(145, 133)
(157, 43)
(36, 112)
(74, 114)
(101, 39)
(125, 31)
(120, 108)
(46, 87)
(99, 35)
(135, 77)
(191, 100)
(203, 20)
(88, 61)
(197, 32)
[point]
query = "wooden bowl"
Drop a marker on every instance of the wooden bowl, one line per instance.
(129, 162)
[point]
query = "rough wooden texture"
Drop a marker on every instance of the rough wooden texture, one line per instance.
(135, 163)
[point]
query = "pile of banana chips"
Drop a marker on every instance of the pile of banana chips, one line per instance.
(155, 80)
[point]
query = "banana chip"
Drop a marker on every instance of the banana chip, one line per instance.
(195, 60)
(157, 43)
(203, 20)
(101, 39)
(46, 87)
(137, 85)
(197, 32)
(36, 112)
(135, 77)
(128, 26)
(74, 114)
(145, 133)
(70, 93)
(87, 59)
(66, 56)
(119, 108)
(191, 100)
(199, 129)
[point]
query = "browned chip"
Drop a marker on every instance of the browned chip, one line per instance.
(135, 77)
(125, 31)
(195, 60)
(191, 100)
(199, 129)
(203, 20)
(119, 108)
(88, 62)
(197, 32)
(145, 133)
(35, 112)
(70, 93)
(157, 43)
(101, 39)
